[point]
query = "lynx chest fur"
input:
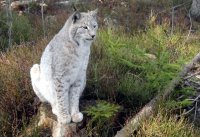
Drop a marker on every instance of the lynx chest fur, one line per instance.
(60, 77)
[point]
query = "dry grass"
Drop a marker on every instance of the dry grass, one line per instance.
(17, 98)
(163, 125)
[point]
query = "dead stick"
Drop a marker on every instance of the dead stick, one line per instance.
(150, 108)
(192, 75)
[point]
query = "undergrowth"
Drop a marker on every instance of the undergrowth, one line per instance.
(17, 98)
(163, 125)
(138, 66)
(125, 69)
(22, 30)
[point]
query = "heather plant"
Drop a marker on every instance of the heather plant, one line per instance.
(17, 99)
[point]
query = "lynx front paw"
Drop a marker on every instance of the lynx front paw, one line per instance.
(65, 119)
(78, 117)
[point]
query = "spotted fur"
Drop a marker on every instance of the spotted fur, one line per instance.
(61, 76)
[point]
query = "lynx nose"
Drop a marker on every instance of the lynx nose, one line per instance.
(92, 36)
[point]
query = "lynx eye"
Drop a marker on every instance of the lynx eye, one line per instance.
(95, 26)
(85, 27)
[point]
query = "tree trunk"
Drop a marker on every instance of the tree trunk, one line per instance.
(195, 8)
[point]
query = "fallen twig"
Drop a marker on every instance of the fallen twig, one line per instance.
(192, 75)
(194, 100)
(195, 110)
(189, 32)
(187, 112)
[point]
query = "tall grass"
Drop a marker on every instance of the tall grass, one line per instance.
(163, 125)
(17, 98)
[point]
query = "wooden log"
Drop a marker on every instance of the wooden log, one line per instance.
(150, 108)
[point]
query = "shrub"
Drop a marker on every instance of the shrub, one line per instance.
(123, 67)
(102, 116)
(21, 30)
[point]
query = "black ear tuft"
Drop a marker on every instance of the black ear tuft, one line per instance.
(76, 16)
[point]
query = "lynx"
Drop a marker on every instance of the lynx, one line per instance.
(60, 78)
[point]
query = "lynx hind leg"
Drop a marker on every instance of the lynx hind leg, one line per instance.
(35, 77)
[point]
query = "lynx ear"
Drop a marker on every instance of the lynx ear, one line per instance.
(94, 12)
(76, 16)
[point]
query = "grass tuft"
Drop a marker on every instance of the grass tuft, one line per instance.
(163, 125)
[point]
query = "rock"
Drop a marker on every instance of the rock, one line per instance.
(195, 10)
(63, 3)
(47, 125)
(150, 56)
(22, 5)
(198, 76)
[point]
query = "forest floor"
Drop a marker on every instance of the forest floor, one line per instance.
(140, 48)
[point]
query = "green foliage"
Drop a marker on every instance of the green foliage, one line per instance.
(21, 30)
(139, 75)
(184, 91)
(102, 115)
(173, 103)
(34, 7)
(103, 110)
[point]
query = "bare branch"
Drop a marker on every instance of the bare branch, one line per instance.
(189, 14)
(172, 29)
(192, 75)
(43, 22)
(9, 22)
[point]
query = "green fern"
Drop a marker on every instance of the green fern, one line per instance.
(102, 117)
(102, 111)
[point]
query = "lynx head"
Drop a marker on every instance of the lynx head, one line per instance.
(83, 26)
